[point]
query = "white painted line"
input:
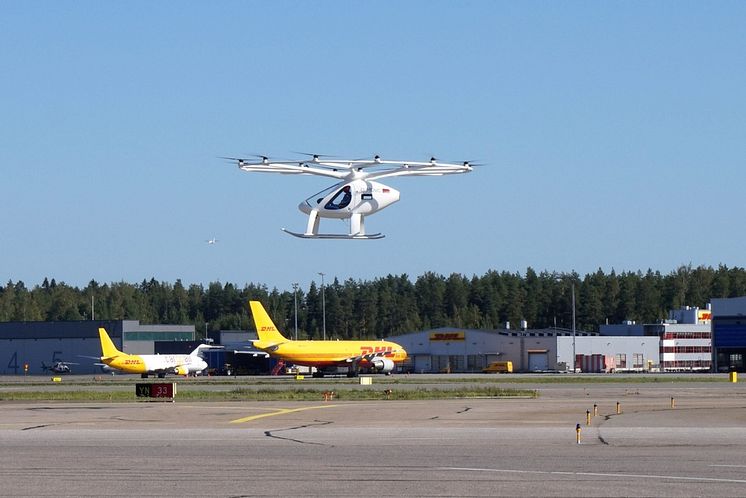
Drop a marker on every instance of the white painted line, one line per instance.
(598, 474)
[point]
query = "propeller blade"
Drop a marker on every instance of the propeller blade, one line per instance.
(376, 159)
(312, 155)
(473, 163)
(241, 160)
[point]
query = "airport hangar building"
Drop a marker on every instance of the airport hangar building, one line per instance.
(530, 350)
(681, 343)
(33, 344)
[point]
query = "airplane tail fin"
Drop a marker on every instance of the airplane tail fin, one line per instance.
(108, 349)
(265, 328)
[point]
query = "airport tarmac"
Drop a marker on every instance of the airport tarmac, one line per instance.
(462, 447)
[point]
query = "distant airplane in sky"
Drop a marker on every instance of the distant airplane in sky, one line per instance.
(369, 356)
(157, 364)
(212, 241)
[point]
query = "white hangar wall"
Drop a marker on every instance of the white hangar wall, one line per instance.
(469, 350)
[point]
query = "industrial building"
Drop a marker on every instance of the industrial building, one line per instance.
(238, 356)
(26, 346)
(685, 339)
(681, 343)
(530, 350)
(729, 334)
(690, 340)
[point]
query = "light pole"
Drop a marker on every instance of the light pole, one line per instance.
(572, 287)
(295, 302)
(323, 304)
(574, 369)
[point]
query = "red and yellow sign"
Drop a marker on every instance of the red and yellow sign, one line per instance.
(704, 316)
(447, 336)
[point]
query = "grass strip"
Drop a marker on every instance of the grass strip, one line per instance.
(487, 379)
(248, 394)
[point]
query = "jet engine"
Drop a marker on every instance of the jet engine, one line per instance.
(382, 365)
(181, 370)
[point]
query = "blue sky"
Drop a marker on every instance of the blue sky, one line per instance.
(614, 134)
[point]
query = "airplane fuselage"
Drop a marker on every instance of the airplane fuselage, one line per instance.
(332, 353)
(180, 364)
(376, 356)
(183, 364)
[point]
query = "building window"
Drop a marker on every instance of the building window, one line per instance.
(638, 360)
(621, 360)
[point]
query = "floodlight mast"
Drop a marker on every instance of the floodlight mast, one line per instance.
(356, 194)
(295, 303)
(323, 304)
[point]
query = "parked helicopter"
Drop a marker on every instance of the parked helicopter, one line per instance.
(356, 195)
(59, 367)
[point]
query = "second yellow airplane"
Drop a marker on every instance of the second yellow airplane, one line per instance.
(155, 364)
(326, 356)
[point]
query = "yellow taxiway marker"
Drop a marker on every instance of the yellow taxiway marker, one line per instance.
(279, 411)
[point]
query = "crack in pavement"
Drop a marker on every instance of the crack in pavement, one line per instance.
(38, 427)
(317, 423)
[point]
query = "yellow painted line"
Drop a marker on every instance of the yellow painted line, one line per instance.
(279, 411)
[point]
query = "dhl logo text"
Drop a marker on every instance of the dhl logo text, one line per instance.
(447, 336)
(376, 349)
(267, 329)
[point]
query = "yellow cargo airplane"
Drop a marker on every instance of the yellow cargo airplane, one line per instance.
(145, 364)
(326, 356)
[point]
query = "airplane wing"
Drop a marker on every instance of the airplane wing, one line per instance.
(253, 353)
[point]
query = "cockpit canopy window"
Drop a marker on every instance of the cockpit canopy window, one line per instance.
(340, 200)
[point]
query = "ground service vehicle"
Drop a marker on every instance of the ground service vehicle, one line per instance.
(499, 367)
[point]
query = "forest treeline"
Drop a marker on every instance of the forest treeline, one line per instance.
(388, 305)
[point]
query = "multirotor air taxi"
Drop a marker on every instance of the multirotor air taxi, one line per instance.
(357, 194)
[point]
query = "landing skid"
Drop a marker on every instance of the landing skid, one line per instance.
(371, 236)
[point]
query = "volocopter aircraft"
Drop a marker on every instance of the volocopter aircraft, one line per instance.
(326, 356)
(157, 364)
(357, 194)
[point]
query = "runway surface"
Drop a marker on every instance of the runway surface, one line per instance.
(471, 447)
